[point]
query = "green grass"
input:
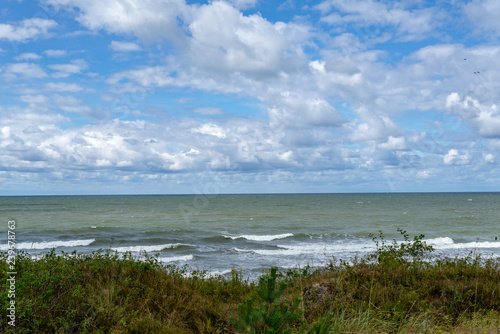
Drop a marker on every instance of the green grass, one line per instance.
(394, 290)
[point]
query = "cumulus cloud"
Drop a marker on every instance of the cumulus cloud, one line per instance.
(483, 118)
(55, 53)
(374, 17)
(393, 143)
(454, 157)
(28, 56)
(35, 99)
(71, 104)
(484, 15)
(224, 39)
(63, 87)
(328, 97)
(65, 70)
(26, 70)
(209, 111)
(26, 30)
(290, 109)
(150, 20)
(211, 130)
(124, 46)
(373, 126)
(244, 4)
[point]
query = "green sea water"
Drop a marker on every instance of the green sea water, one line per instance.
(252, 232)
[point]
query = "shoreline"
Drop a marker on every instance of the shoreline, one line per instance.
(393, 289)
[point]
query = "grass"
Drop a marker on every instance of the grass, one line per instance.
(397, 289)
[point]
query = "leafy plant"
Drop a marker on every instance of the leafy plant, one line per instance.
(406, 252)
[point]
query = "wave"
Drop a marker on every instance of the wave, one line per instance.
(260, 237)
(239, 250)
(220, 272)
(442, 243)
(448, 243)
(148, 249)
(325, 249)
(49, 244)
(176, 258)
(437, 242)
(474, 245)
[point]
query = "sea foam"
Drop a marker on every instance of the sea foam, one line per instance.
(314, 249)
(437, 242)
(49, 244)
(270, 237)
(448, 243)
(148, 249)
(176, 258)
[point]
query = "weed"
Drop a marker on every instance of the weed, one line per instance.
(395, 289)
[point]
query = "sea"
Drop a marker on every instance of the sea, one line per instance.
(251, 233)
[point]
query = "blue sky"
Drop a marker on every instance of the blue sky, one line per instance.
(248, 96)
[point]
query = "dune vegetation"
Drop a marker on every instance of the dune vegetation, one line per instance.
(400, 288)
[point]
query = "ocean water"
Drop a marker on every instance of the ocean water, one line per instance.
(252, 232)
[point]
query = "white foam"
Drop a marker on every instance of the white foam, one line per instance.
(261, 237)
(243, 250)
(176, 258)
(448, 243)
(315, 249)
(437, 242)
(215, 273)
(148, 249)
(49, 244)
(474, 245)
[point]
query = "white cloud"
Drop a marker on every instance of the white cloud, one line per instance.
(65, 70)
(124, 46)
(55, 53)
(35, 99)
(63, 87)
(247, 44)
(209, 111)
(373, 18)
(244, 4)
(71, 104)
(489, 157)
(26, 29)
(150, 20)
(294, 110)
(28, 56)
(393, 143)
(27, 70)
(423, 174)
(483, 118)
(211, 130)
(327, 99)
(374, 126)
(484, 15)
(450, 156)
(454, 157)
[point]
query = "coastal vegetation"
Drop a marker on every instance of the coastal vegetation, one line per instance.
(400, 288)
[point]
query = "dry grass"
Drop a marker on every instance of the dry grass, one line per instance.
(387, 292)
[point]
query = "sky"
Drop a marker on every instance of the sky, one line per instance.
(248, 96)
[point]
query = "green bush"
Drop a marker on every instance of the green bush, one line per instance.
(404, 253)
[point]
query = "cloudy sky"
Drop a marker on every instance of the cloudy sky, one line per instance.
(249, 96)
